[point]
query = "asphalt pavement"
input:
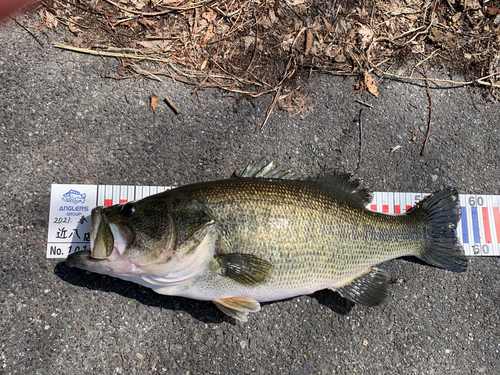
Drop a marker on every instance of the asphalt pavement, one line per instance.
(62, 121)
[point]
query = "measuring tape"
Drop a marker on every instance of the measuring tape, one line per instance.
(71, 205)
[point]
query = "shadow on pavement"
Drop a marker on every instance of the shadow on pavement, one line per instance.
(203, 311)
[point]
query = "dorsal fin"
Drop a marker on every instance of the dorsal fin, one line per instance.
(339, 184)
(263, 169)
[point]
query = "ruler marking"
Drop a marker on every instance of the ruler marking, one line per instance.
(494, 236)
(123, 194)
(496, 217)
(397, 204)
(475, 224)
(108, 192)
(470, 230)
(486, 222)
(465, 232)
(138, 193)
(408, 200)
(100, 195)
(130, 193)
(116, 194)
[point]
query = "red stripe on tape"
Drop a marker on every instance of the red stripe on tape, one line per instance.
(108, 202)
(486, 222)
(496, 216)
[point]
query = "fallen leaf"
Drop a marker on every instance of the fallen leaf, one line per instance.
(265, 22)
(309, 41)
(288, 39)
(248, 40)
(395, 148)
(370, 84)
(50, 20)
(73, 27)
(154, 101)
(366, 34)
(208, 34)
(163, 45)
(209, 15)
(456, 17)
(328, 25)
(272, 16)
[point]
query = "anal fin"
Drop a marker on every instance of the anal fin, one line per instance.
(369, 288)
(237, 307)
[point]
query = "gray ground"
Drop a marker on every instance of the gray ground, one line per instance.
(61, 121)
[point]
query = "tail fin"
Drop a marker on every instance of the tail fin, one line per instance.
(442, 210)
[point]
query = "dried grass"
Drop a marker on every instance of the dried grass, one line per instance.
(253, 47)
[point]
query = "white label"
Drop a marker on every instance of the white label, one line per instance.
(69, 219)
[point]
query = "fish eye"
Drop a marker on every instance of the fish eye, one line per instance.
(128, 209)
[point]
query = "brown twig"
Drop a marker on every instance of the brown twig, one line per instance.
(172, 105)
(204, 80)
(124, 77)
(479, 81)
(360, 144)
(366, 104)
(429, 94)
(271, 107)
(174, 78)
(106, 53)
(254, 47)
(33, 35)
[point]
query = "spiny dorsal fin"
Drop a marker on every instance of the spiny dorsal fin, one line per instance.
(263, 169)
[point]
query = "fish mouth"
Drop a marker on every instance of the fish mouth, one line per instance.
(101, 243)
(101, 236)
(108, 241)
(85, 260)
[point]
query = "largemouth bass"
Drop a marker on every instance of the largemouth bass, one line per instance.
(266, 235)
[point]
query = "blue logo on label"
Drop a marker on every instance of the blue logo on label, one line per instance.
(74, 197)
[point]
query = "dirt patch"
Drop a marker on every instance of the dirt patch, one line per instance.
(252, 47)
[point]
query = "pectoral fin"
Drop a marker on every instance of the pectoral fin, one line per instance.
(368, 288)
(245, 269)
(237, 307)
